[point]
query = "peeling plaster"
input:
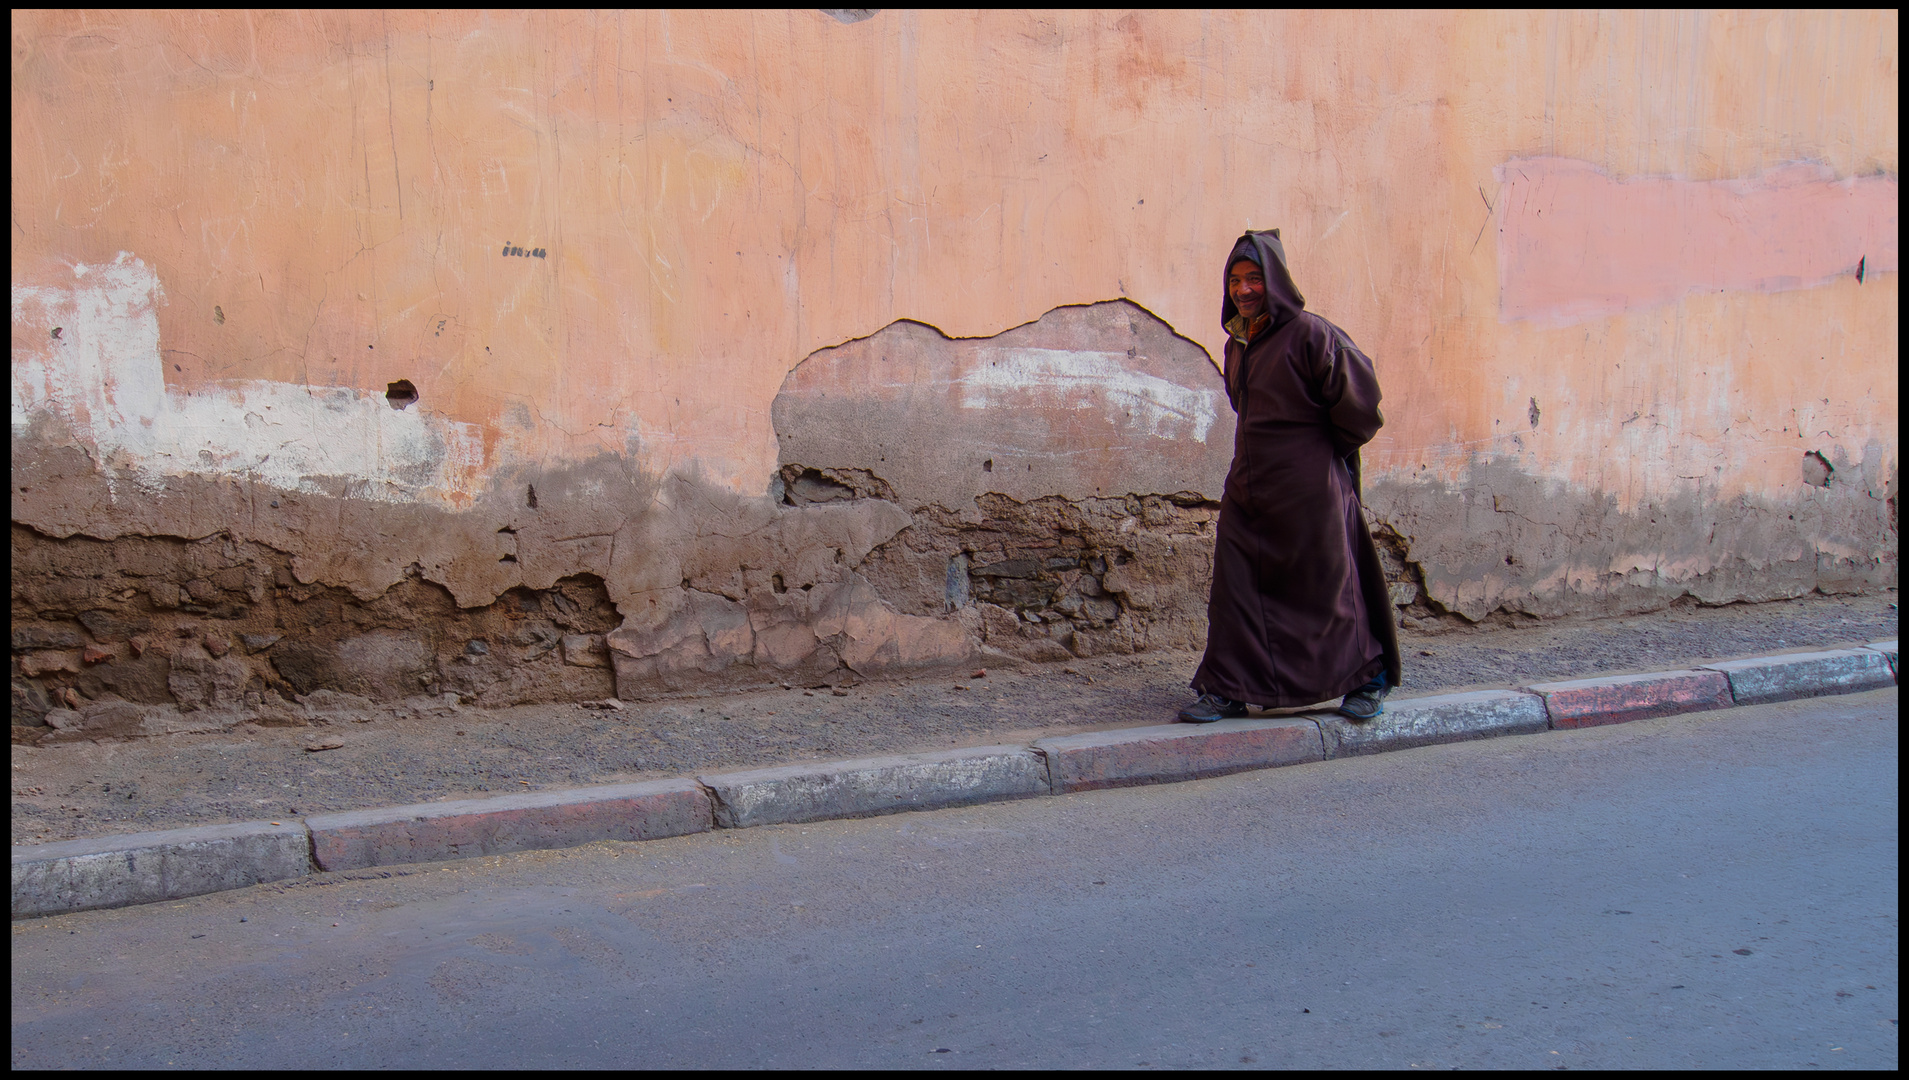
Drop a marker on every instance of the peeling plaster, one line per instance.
(104, 377)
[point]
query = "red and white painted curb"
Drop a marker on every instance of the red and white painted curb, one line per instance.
(116, 871)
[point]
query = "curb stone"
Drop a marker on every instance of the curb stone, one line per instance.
(1622, 698)
(1440, 718)
(870, 786)
(1767, 679)
(117, 871)
(1169, 752)
(144, 868)
(1887, 648)
(428, 832)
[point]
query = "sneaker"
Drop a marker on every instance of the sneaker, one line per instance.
(1367, 701)
(1211, 707)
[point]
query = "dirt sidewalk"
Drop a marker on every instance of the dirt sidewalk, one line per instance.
(404, 754)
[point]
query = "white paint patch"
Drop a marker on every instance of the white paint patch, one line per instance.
(105, 377)
(1066, 379)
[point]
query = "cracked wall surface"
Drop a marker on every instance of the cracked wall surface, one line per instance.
(815, 350)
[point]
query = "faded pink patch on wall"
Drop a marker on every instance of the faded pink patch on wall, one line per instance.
(1576, 244)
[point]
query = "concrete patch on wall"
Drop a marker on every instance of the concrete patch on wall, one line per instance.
(1575, 243)
(1098, 401)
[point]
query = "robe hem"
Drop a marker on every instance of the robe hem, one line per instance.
(1283, 701)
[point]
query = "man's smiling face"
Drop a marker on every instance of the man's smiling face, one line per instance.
(1246, 284)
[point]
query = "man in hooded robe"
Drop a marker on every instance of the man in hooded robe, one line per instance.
(1299, 611)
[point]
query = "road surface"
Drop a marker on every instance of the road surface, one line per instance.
(1708, 891)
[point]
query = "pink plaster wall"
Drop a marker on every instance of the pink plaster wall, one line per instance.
(1574, 243)
(259, 219)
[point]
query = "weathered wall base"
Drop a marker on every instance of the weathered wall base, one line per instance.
(1503, 540)
(1045, 580)
(1053, 578)
(219, 625)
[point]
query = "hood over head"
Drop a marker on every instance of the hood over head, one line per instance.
(1282, 296)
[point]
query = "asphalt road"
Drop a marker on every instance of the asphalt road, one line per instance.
(1709, 891)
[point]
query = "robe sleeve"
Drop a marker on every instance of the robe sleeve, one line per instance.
(1349, 389)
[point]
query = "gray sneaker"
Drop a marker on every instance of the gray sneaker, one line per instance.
(1212, 707)
(1366, 702)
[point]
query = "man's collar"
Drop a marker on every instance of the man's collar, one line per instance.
(1244, 330)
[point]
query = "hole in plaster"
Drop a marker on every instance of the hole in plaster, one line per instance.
(401, 394)
(1817, 470)
(1534, 414)
(801, 485)
(508, 529)
(56, 332)
(530, 497)
(508, 558)
(988, 465)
